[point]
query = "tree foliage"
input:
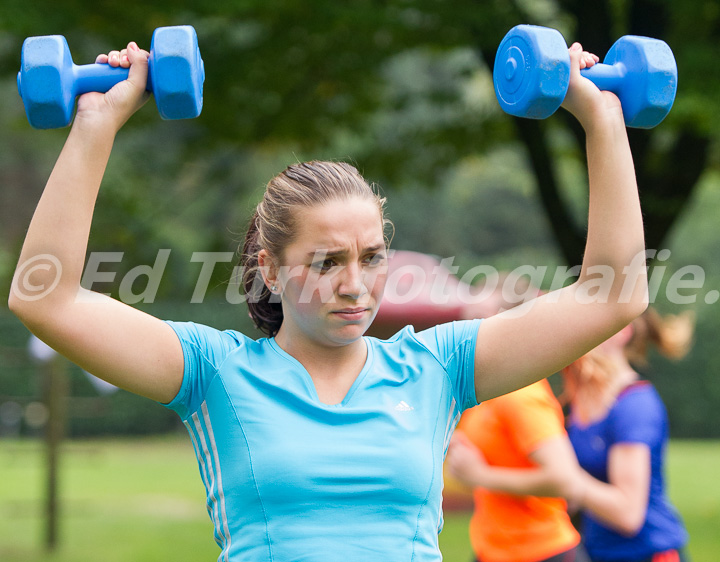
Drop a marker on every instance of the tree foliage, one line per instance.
(308, 73)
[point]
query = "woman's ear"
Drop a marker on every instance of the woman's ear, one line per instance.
(269, 271)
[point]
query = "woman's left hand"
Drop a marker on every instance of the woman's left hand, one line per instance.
(583, 99)
(464, 461)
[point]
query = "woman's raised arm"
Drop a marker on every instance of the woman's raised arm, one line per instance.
(113, 341)
(542, 336)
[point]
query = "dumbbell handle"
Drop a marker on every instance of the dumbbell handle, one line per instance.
(96, 77)
(100, 77)
(605, 76)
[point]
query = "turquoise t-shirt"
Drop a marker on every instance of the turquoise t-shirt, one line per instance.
(289, 478)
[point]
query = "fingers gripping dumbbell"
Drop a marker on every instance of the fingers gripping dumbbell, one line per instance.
(532, 73)
(49, 82)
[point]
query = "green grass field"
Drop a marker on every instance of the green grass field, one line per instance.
(143, 501)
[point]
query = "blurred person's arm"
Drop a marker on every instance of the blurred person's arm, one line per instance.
(622, 502)
(556, 472)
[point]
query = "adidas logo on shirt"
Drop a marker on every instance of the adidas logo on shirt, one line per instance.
(403, 406)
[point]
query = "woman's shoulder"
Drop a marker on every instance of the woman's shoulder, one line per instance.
(458, 329)
(642, 391)
(206, 337)
(442, 341)
(639, 404)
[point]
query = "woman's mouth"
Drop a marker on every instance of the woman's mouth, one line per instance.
(356, 313)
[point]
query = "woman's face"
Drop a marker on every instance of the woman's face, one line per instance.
(333, 274)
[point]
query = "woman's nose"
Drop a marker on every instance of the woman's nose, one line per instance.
(352, 283)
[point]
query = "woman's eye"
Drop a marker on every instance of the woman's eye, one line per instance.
(324, 265)
(376, 259)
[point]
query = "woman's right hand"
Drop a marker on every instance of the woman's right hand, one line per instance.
(119, 103)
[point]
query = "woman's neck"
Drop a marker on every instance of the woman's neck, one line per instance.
(625, 376)
(333, 369)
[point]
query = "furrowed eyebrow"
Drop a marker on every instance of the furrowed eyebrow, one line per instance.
(333, 253)
(375, 248)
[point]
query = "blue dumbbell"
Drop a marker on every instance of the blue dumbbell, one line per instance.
(49, 82)
(532, 72)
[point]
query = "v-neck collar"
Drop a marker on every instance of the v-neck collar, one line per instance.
(307, 379)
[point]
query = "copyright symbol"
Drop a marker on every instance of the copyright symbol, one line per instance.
(24, 289)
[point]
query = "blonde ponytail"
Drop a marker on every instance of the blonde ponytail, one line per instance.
(672, 335)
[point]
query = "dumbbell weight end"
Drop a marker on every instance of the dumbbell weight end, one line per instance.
(531, 73)
(178, 81)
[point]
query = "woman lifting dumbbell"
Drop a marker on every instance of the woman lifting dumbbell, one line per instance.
(317, 442)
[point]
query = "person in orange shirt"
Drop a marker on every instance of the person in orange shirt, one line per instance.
(514, 452)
